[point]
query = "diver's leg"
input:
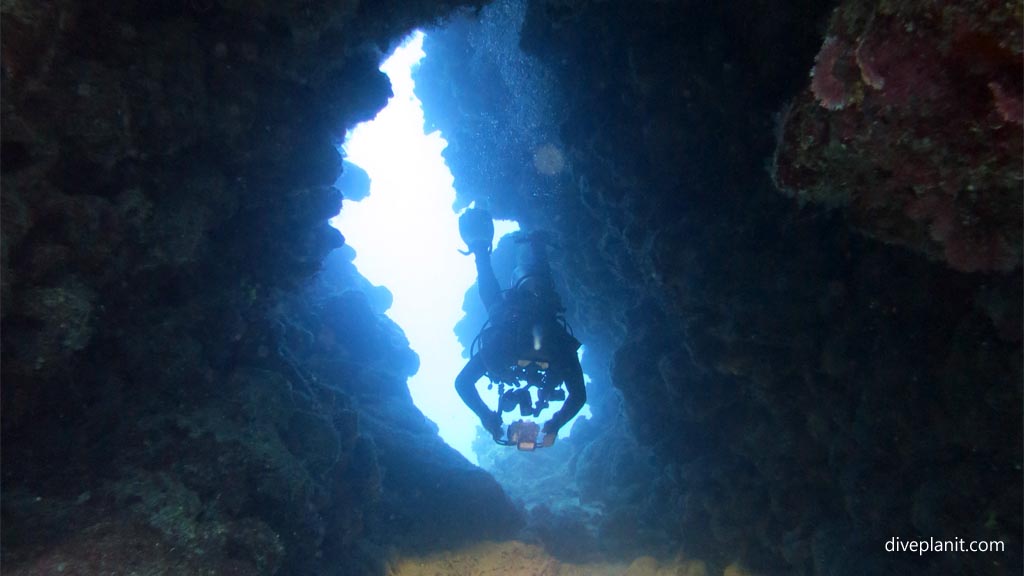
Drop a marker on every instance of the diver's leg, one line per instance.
(486, 281)
(465, 385)
(569, 368)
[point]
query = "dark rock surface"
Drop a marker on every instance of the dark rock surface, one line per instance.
(809, 393)
(180, 395)
(184, 394)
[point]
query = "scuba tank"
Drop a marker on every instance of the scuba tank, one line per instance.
(532, 274)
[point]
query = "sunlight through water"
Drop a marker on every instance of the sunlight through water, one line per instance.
(406, 238)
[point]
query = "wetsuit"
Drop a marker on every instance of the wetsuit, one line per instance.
(502, 346)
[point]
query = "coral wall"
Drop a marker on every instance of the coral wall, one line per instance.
(182, 394)
(912, 124)
(179, 394)
(809, 392)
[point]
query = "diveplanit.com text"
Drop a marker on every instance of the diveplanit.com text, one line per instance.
(895, 544)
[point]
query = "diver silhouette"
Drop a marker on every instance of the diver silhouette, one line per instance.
(525, 343)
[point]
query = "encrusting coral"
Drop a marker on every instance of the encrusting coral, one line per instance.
(912, 123)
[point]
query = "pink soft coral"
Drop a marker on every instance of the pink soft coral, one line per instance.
(1008, 105)
(828, 83)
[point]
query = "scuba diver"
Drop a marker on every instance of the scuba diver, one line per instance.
(525, 343)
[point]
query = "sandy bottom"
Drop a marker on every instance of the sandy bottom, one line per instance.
(518, 559)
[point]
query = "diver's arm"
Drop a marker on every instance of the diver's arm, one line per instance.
(575, 400)
(465, 385)
(486, 281)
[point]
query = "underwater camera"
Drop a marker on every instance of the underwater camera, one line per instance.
(524, 435)
(550, 394)
(518, 397)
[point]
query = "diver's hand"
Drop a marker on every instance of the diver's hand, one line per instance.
(548, 440)
(550, 433)
(493, 425)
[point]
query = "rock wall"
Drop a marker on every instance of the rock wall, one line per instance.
(182, 395)
(179, 394)
(912, 123)
(810, 393)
